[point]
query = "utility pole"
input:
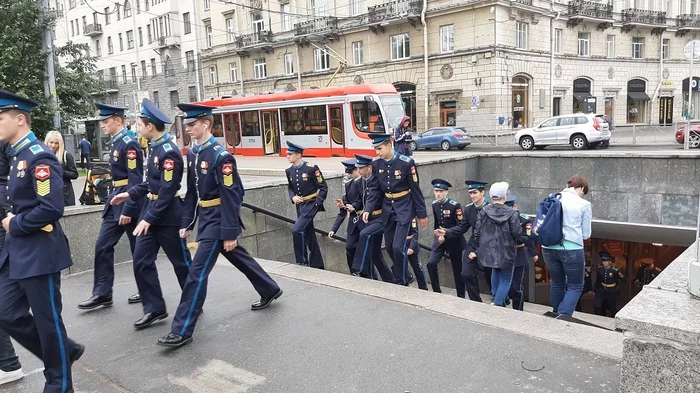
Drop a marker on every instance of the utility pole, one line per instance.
(50, 78)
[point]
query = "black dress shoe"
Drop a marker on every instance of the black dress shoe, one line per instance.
(96, 301)
(173, 340)
(149, 318)
(77, 352)
(133, 299)
(265, 301)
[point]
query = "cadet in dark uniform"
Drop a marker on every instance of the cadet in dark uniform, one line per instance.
(160, 221)
(400, 199)
(30, 277)
(126, 167)
(526, 254)
(646, 273)
(214, 195)
(307, 190)
(449, 236)
(347, 209)
(368, 255)
(607, 285)
(470, 266)
(412, 251)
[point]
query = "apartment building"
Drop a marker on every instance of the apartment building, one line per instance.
(462, 62)
(144, 48)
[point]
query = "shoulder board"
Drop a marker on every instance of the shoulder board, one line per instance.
(615, 269)
(471, 204)
(375, 158)
(167, 147)
(224, 153)
(657, 268)
(435, 201)
(217, 147)
(127, 139)
(405, 158)
(453, 202)
(310, 164)
(36, 149)
(525, 216)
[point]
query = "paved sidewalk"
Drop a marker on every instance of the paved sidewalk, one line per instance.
(329, 332)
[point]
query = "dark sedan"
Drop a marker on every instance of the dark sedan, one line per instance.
(443, 138)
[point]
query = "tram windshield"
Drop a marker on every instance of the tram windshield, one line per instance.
(393, 109)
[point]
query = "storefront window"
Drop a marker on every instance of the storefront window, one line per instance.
(695, 101)
(637, 99)
(521, 95)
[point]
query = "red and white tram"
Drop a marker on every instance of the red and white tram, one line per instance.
(327, 122)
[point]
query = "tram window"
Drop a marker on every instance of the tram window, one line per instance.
(232, 129)
(250, 123)
(367, 116)
(307, 120)
(218, 128)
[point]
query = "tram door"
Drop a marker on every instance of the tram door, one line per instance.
(270, 129)
(335, 115)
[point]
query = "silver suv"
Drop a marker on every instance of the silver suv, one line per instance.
(579, 130)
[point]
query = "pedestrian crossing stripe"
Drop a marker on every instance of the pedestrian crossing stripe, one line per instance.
(43, 188)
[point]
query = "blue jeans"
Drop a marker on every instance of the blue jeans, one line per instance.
(500, 284)
(8, 360)
(566, 267)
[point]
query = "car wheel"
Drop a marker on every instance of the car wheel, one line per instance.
(579, 142)
(527, 143)
(413, 145)
(445, 145)
(540, 147)
(694, 139)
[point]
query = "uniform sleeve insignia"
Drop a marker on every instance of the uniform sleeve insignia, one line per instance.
(167, 147)
(413, 172)
(131, 159)
(127, 139)
(36, 149)
(319, 177)
(460, 214)
(310, 165)
(168, 166)
(405, 158)
(227, 171)
(435, 201)
(43, 183)
(453, 203)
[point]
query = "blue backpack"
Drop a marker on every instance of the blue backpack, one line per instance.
(549, 221)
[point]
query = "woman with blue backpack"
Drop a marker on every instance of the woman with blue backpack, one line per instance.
(562, 224)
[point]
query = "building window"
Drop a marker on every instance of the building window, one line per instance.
(286, 18)
(117, 10)
(133, 72)
(638, 47)
(121, 43)
(71, 4)
(72, 29)
(207, 4)
(322, 60)
(130, 39)
(140, 36)
(143, 69)
(138, 6)
(156, 98)
(150, 35)
(447, 38)
(154, 69)
(357, 53)
(610, 46)
(168, 68)
(107, 13)
(174, 99)
(288, 64)
(192, 90)
(84, 24)
(77, 28)
(110, 46)
(400, 47)
(230, 30)
(124, 74)
(693, 6)
(210, 36)
(186, 21)
(189, 58)
(260, 68)
(145, 3)
(213, 79)
(98, 48)
(258, 21)
(127, 9)
(666, 48)
(558, 33)
(356, 7)
(233, 71)
(521, 35)
(584, 41)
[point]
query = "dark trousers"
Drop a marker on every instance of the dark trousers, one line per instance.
(195, 291)
(8, 359)
(516, 288)
(418, 271)
(304, 236)
(605, 301)
(145, 270)
(42, 331)
(396, 242)
(85, 160)
(351, 245)
(471, 282)
(368, 253)
(110, 233)
(454, 250)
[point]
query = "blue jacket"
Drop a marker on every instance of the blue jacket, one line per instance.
(84, 147)
(36, 244)
(125, 165)
(163, 178)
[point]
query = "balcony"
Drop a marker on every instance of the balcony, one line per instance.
(92, 30)
(164, 42)
(581, 10)
(686, 23)
(526, 2)
(319, 29)
(394, 12)
(633, 17)
(259, 40)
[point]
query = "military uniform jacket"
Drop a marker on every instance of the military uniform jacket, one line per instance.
(212, 174)
(125, 163)
(163, 178)
(36, 244)
(353, 190)
(307, 181)
(397, 176)
(646, 274)
(608, 279)
(448, 215)
(471, 212)
(525, 243)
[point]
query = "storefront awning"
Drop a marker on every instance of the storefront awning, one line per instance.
(638, 96)
(582, 96)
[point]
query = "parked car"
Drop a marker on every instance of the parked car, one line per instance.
(443, 138)
(694, 140)
(579, 130)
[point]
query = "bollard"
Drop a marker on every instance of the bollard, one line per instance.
(634, 134)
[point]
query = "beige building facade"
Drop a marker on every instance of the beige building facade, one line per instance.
(473, 64)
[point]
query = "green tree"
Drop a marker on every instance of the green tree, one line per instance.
(75, 81)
